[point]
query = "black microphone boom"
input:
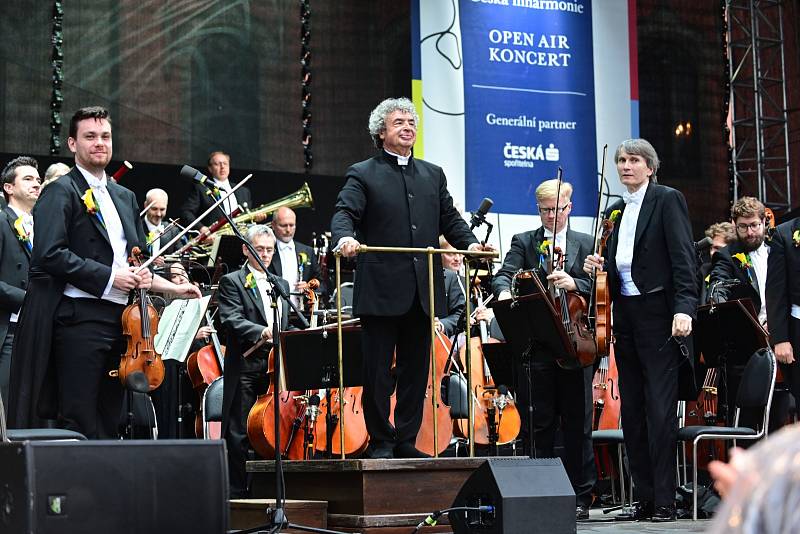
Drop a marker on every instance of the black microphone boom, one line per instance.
(703, 244)
(190, 173)
(479, 217)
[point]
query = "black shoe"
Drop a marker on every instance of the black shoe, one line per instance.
(582, 512)
(664, 514)
(379, 451)
(408, 450)
(640, 511)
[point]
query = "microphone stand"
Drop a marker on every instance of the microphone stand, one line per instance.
(277, 516)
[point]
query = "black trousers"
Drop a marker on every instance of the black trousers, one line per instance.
(648, 361)
(5, 361)
(791, 372)
(253, 382)
(407, 337)
(561, 399)
(87, 343)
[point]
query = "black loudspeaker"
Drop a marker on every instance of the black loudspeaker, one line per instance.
(124, 487)
(529, 495)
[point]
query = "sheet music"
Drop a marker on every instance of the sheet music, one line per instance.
(177, 327)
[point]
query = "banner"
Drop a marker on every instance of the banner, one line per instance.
(529, 101)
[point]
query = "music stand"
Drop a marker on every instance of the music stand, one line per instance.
(228, 250)
(311, 361)
(729, 332)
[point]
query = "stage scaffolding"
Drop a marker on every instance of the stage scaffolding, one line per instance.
(759, 136)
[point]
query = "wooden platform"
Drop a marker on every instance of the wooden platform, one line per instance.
(371, 496)
(249, 513)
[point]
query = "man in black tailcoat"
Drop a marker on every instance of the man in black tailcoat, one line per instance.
(393, 199)
(561, 397)
(653, 282)
(70, 334)
(158, 235)
(783, 300)
(21, 187)
(200, 198)
(247, 317)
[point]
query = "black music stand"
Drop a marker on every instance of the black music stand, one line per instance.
(228, 250)
(729, 332)
(311, 361)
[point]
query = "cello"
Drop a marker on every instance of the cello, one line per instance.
(204, 366)
(139, 327)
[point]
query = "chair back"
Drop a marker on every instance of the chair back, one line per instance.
(212, 401)
(757, 386)
(3, 430)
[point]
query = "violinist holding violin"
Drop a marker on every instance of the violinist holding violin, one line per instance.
(559, 395)
(71, 333)
(653, 286)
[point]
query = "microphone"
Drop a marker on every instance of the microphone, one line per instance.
(190, 173)
(479, 217)
(703, 244)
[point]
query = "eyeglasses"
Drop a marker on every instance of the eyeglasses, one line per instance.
(551, 211)
(752, 226)
(265, 250)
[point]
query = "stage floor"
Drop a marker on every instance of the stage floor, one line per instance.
(602, 526)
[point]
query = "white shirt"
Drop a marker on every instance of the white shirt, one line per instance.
(626, 238)
(759, 260)
(560, 241)
(155, 246)
(230, 203)
(27, 225)
(116, 234)
(289, 268)
(264, 292)
(401, 160)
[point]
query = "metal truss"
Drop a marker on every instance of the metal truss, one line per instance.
(759, 140)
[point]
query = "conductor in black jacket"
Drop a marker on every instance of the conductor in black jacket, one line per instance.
(561, 397)
(651, 273)
(393, 199)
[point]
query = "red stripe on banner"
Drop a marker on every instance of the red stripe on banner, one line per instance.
(633, 49)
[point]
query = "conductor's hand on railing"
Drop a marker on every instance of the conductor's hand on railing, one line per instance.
(477, 247)
(348, 246)
(593, 262)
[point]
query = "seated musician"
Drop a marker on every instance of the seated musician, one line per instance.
(559, 395)
(199, 199)
(156, 202)
(721, 235)
(247, 317)
(454, 292)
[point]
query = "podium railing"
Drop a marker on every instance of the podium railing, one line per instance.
(430, 252)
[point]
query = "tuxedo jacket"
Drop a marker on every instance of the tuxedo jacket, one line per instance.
(524, 254)
(663, 250)
(166, 237)
(199, 200)
(454, 296)
(310, 266)
(783, 280)
(385, 204)
(725, 268)
(241, 313)
(14, 262)
(71, 246)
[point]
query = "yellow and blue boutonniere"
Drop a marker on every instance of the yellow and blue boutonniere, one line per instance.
(544, 251)
(302, 258)
(91, 206)
(22, 235)
(744, 263)
(614, 215)
(250, 283)
(796, 238)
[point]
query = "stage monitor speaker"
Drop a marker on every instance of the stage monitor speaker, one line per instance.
(124, 487)
(529, 496)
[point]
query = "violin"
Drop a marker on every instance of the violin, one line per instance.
(204, 366)
(140, 326)
(600, 296)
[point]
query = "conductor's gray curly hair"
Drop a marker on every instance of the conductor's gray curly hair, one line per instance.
(377, 119)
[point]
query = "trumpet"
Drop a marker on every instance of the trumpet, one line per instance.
(299, 199)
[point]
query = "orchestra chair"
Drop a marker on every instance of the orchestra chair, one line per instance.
(755, 391)
(616, 437)
(212, 405)
(34, 434)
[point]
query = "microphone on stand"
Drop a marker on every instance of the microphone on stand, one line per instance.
(479, 217)
(703, 244)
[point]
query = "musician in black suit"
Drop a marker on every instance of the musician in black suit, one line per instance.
(200, 198)
(721, 235)
(783, 300)
(70, 335)
(393, 199)
(560, 397)
(21, 187)
(156, 202)
(653, 285)
(247, 318)
(295, 262)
